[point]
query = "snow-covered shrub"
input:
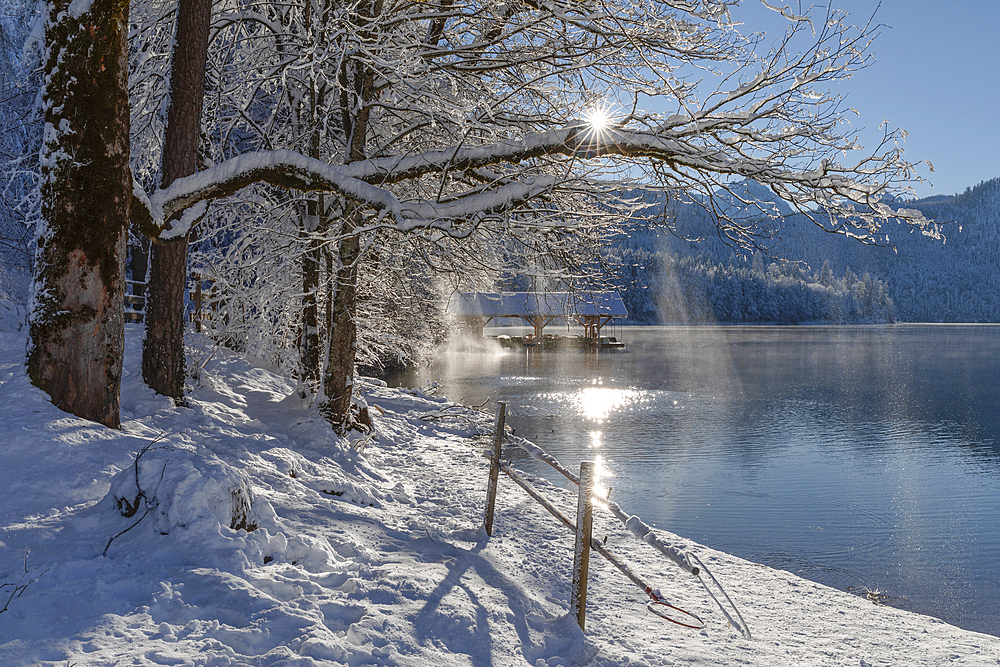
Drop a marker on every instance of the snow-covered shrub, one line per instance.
(179, 488)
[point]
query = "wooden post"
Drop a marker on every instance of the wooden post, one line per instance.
(491, 491)
(581, 553)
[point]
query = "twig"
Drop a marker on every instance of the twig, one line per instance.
(108, 545)
(442, 413)
(21, 584)
(141, 493)
(362, 442)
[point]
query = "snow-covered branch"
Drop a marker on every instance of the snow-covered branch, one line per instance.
(368, 182)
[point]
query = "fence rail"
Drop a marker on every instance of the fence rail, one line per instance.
(585, 540)
(135, 301)
(207, 303)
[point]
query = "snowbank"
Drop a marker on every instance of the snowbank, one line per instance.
(240, 531)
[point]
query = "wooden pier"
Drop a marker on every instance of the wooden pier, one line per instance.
(591, 310)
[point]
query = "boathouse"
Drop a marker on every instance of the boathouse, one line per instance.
(592, 310)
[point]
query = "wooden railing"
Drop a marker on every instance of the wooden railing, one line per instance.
(207, 303)
(135, 301)
(585, 542)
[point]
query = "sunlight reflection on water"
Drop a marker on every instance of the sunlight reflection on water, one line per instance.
(596, 403)
(855, 456)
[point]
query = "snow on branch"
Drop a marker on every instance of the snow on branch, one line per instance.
(829, 187)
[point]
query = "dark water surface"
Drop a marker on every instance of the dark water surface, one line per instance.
(866, 458)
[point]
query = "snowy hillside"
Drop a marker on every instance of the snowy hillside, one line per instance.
(363, 554)
(916, 279)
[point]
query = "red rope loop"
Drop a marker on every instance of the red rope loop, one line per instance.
(655, 600)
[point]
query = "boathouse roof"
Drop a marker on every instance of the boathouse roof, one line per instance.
(527, 304)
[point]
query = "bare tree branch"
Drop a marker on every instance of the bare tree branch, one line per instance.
(830, 186)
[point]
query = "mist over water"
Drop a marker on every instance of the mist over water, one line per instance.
(865, 457)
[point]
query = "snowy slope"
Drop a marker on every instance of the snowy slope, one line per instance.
(371, 557)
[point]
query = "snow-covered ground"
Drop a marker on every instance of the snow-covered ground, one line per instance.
(363, 553)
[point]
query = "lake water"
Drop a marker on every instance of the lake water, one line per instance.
(866, 458)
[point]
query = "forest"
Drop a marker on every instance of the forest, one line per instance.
(693, 275)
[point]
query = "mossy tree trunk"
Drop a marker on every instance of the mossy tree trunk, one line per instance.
(77, 319)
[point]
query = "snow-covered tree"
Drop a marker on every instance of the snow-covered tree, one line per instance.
(19, 135)
(163, 347)
(452, 117)
(76, 312)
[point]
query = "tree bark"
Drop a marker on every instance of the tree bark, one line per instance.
(77, 321)
(357, 86)
(163, 360)
(163, 348)
(313, 221)
(309, 342)
(338, 382)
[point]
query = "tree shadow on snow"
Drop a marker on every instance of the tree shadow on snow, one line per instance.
(464, 625)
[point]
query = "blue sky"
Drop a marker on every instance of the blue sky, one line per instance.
(937, 76)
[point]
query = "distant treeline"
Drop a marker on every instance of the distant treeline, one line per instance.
(825, 277)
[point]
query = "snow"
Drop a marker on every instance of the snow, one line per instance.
(77, 8)
(681, 146)
(522, 304)
(351, 557)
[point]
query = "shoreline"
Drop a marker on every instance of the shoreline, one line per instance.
(360, 557)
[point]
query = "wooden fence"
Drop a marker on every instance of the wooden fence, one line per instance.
(207, 303)
(585, 542)
(135, 301)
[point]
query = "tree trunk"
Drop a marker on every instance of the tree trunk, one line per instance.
(77, 321)
(357, 86)
(309, 345)
(339, 380)
(310, 362)
(163, 347)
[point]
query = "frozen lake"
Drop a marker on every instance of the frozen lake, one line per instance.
(866, 458)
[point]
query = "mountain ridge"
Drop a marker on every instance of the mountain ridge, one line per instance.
(819, 277)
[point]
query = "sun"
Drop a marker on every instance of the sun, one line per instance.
(598, 119)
